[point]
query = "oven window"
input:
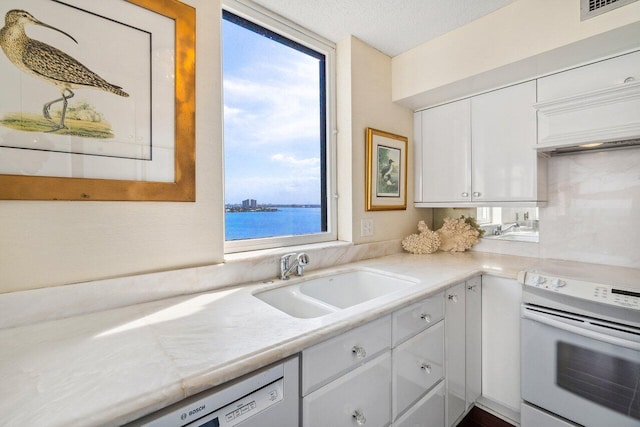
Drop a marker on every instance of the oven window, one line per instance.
(600, 378)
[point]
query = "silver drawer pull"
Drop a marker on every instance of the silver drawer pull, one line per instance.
(472, 287)
(477, 194)
(426, 317)
(453, 298)
(359, 351)
(359, 418)
(629, 80)
(465, 194)
(426, 367)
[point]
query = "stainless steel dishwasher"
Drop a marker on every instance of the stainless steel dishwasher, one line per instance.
(269, 397)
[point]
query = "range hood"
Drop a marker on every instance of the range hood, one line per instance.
(601, 119)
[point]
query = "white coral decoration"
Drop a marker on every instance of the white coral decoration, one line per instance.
(424, 243)
(457, 236)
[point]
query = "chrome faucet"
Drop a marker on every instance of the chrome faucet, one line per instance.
(290, 262)
(500, 230)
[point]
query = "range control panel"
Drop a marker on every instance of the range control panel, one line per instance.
(597, 292)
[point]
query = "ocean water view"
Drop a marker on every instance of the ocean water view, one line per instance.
(283, 222)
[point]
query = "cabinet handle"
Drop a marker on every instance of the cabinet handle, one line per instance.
(472, 287)
(426, 367)
(426, 317)
(359, 418)
(477, 194)
(359, 351)
(465, 194)
(629, 79)
(453, 298)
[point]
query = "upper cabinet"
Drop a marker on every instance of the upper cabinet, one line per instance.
(590, 105)
(479, 151)
(443, 164)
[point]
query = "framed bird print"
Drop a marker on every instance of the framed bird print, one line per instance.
(97, 100)
(386, 171)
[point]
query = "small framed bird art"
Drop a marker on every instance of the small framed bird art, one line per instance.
(386, 171)
(97, 100)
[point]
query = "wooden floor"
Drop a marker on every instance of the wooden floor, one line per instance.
(479, 418)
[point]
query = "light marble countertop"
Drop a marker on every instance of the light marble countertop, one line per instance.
(113, 366)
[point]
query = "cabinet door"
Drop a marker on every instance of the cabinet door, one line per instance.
(428, 412)
(473, 339)
(446, 155)
(413, 319)
(418, 364)
(455, 352)
(503, 124)
(361, 396)
(501, 341)
(328, 360)
(599, 75)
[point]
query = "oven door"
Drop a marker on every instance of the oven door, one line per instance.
(584, 370)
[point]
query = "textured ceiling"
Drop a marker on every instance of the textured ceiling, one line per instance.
(391, 26)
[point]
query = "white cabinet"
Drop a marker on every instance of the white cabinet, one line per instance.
(462, 347)
(330, 359)
(596, 76)
(504, 163)
(479, 151)
(501, 341)
(416, 317)
(359, 397)
(444, 174)
(388, 370)
(428, 412)
(418, 364)
(595, 103)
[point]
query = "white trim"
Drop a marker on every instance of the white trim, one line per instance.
(278, 24)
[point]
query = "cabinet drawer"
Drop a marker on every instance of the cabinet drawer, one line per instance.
(328, 360)
(364, 391)
(428, 412)
(417, 317)
(418, 364)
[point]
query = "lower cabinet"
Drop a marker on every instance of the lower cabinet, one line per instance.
(361, 396)
(501, 343)
(358, 379)
(427, 412)
(463, 347)
(421, 366)
(418, 364)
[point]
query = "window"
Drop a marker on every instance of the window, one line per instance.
(278, 143)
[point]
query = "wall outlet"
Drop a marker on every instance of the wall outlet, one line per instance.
(366, 227)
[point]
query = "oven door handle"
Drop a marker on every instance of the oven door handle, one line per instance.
(547, 320)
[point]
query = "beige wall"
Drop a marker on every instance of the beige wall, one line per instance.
(520, 41)
(364, 87)
(53, 243)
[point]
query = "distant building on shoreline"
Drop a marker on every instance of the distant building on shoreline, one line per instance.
(250, 205)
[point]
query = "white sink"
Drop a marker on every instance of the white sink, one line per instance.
(351, 288)
(327, 294)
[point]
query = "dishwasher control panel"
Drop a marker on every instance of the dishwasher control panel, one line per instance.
(238, 411)
(269, 396)
(596, 292)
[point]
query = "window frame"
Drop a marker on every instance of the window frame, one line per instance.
(289, 30)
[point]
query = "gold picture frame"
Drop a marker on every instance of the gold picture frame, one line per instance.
(32, 187)
(386, 171)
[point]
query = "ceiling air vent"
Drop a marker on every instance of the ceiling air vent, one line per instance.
(591, 8)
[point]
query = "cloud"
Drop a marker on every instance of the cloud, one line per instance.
(272, 127)
(278, 105)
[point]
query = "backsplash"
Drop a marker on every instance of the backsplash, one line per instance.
(594, 208)
(593, 211)
(26, 307)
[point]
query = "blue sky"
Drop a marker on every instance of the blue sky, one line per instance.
(271, 120)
